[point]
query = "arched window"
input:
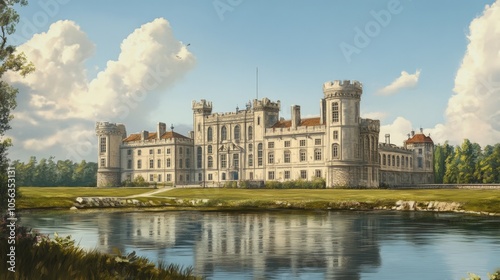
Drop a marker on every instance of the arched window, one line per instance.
(223, 133)
(397, 161)
(210, 162)
(250, 133)
(237, 133)
(250, 147)
(383, 159)
(209, 134)
(250, 160)
(335, 151)
(335, 112)
(258, 120)
(393, 160)
(209, 149)
(198, 157)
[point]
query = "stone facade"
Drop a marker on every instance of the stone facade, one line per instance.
(255, 144)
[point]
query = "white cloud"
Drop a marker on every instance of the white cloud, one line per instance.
(473, 111)
(398, 130)
(374, 115)
(404, 81)
(59, 96)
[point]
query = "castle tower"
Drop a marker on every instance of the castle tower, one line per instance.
(201, 110)
(423, 157)
(109, 139)
(340, 114)
(266, 115)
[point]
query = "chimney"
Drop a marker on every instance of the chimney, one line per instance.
(421, 130)
(144, 135)
(295, 116)
(412, 133)
(388, 139)
(161, 128)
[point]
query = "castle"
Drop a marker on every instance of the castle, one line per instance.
(256, 144)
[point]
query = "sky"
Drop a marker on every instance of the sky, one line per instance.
(433, 65)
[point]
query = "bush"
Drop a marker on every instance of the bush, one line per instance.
(316, 183)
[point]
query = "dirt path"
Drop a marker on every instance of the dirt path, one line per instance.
(151, 193)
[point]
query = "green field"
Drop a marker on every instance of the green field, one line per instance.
(63, 197)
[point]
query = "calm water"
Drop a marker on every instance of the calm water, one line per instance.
(292, 244)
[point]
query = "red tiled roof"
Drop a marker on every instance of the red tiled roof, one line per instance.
(303, 122)
(152, 135)
(419, 138)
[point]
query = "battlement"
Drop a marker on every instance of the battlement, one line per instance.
(202, 104)
(109, 128)
(343, 88)
(266, 104)
(369, 125)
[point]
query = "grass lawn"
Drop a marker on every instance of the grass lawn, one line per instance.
(63, 197)
(475, 200)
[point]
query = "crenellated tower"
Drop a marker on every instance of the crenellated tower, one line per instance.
(109, 139)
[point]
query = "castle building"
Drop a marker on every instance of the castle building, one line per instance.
(256, 144)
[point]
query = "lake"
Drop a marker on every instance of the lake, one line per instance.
(291, 244)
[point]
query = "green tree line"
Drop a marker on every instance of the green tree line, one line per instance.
(48, 172)
(467, 163)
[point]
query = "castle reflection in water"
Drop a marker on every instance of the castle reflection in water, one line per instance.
(330, 243)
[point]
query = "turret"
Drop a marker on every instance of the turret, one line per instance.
(109, 139)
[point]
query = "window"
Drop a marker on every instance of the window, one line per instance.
(251, 175)
(169, 177)
(151, 163)
(287, 144)
(198, 157)
(383, 159)
(237, 133)
(180, 163)
(210, 162)
(419, 162)
(168, 151)
(180, 150)
(302, 143)
(150, 151)
(335, 151)
(199, 127)
(188, 163)
(103, 144)
(236, 160)
(210, 177)
(317, 154)
(139, 164)
(317, 141)
(250, 133)
(129, 164)
(286, 157)
(250, 160)
(411, 162)
(270, 145)
(302, 155)
(250, 147)
(393, 160)
(103, 162)
(303, 174)
(397, 161)
(258, 120)
(151, 177)
(139, 152)
(259, 154)
(187, 177)
(406, 161)
(209, 134)
(317, 173)
(223, 133)
(223, 161)
(159, 151)
(270, 175)
(209, 149)
(129, 152)
(223, 175)
(419, 151)
(335, 112)
(159, 177)
(335, 135)
(168, 162)
(270, 158)
(158, 163)
(181, 178)
(188, 151)
(287, 174)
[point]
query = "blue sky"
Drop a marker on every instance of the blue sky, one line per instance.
(296, 45)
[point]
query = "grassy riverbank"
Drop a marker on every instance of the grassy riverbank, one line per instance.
(472, 200)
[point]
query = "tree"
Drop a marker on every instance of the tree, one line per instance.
(9, 61)
(441, 153)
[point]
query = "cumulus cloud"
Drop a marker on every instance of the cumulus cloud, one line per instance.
(406, 80)
(473, 110)
(374, 115)
(59, 95)
(398, 130)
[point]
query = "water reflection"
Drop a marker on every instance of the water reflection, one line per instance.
(281, 245)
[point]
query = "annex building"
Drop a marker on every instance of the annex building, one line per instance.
(256, 144)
